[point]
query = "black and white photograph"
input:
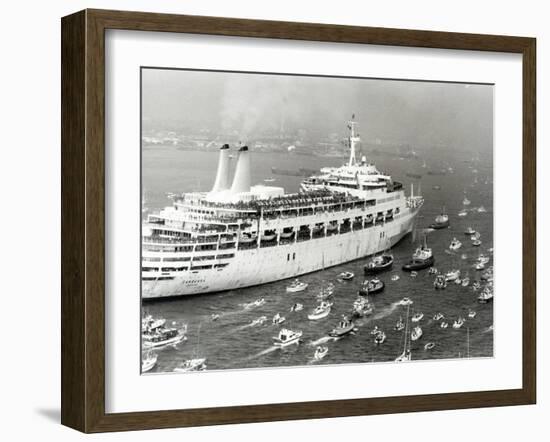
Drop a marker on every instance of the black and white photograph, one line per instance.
(294, 220)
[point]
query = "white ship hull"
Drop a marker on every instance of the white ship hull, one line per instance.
(268, 264)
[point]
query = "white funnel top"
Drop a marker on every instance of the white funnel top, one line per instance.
(241, 180)
(222, 175)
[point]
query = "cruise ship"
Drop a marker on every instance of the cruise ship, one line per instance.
(241, 235)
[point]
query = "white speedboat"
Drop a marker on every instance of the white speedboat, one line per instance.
(455, 245)
(416, 333)
(400, 325)
(479, 266)
(162, 337)
(481, 209)
(459, 322)
(444, 324)
(148, 361)
(438, 316)
(472, 314)
(287, 337)
(406, 301)
(296, 286)
(466, 201)
(361, 307)
(321, 311)
(278, 319)
(320, 352)
(451, 275)
(195, 364)
(469, 231)
(417, 317)
(395, 278)
(346, 276)
(380, 338)
(483, 259)
(429, 346)
(297, 307)
(463, 213)
(214, 317)
(440, 282)
(465, 281)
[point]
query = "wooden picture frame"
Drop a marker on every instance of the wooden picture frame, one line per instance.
(83, 219)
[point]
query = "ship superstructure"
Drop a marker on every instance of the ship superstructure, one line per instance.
(240, 235)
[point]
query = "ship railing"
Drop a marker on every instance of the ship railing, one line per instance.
(177, 241)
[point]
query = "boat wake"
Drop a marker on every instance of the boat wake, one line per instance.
(322, 340)
(263, 352)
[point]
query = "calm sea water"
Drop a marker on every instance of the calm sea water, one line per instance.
(232, 343)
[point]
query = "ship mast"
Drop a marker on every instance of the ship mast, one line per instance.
(353, 139)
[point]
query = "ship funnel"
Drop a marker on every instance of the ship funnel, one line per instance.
(222, 175)
(241, 180)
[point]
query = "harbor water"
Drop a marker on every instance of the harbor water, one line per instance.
(232, 342)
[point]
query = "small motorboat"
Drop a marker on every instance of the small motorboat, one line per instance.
(465, 281)
(375, 331)
(417, 317)
(346, 276)
(416, 333)
(406, 301)
(395, 278)
(148, 361)
(429, 346)
(214, 317)
(436, 187)
(404, 357)
(422, 258)
(414, 274)
(485, 296)
(481, 209)
(380, 338)
(469, 231)
(476, 242)
(361, 307)
(472, 314)
(344, 327)
(463, 213)
(287, 337)
(487, 275)
(459, 322)
(320, 352)
(378, 264)
(464, 256)
(400, 325)
(256, 303)
(296, 286)
(455, 245)
(163, 336)
(258, 321)
(475, 236)
(321, 311)
(432, 271)
(444, 324)
(458, 281)
(297, 307)
(451, 275)
(483, 259)
(441, 221)
(466, 201)
(196, 364)
(440, 282)
(371, 287)
(476, 286)
(480, 266)
(438, 316)
(326, 291)
(278, 319)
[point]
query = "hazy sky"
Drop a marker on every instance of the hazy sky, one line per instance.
(394, 111)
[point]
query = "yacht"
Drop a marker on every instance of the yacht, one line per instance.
(422, 258)
(321, 311)
(287, 337)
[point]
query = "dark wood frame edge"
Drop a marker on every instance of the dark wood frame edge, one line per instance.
(83, 215)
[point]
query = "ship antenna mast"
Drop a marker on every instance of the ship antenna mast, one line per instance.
(353, 139)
